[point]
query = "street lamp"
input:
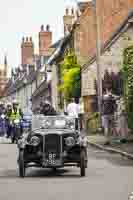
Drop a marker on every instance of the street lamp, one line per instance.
(98, 59)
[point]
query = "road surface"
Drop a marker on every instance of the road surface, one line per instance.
(108, 177)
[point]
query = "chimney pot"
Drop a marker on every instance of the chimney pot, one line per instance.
(77, 14)
(23, 39)
(27, 39)
(47, 28)
(30, 39)
(42, 28)
(72, 11)
(67, 11)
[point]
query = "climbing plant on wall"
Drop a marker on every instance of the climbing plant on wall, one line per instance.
(128, 82)
(70, 76)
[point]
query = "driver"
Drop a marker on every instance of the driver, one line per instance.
(47, 109)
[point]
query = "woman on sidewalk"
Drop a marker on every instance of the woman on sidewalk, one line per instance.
(122, 121)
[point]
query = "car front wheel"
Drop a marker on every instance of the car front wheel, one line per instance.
(21, 164)
(82, 163)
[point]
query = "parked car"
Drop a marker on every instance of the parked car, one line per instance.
(54, 143)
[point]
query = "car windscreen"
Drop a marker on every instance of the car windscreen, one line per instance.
(52, 122)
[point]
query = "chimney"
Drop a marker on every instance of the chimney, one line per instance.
(68, 20)
(83, 5)
(45, 40)
(27, 50)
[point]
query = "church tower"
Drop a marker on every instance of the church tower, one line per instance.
(3, 76)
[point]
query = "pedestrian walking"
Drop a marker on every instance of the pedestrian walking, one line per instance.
(81, 114)
(73, 111)
(108, 111)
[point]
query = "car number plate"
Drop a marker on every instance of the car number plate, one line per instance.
(52, 160)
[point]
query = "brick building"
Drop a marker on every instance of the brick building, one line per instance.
(112, 15)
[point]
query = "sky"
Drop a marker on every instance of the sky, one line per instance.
(20, 18)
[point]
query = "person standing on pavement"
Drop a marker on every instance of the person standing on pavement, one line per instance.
(108, 111)
(73, 111)
(122, 121)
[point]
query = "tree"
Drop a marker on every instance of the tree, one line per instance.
(70, 76)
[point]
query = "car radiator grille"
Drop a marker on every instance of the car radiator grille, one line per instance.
(52, 144)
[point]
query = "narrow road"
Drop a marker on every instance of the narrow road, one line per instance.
(108, 177)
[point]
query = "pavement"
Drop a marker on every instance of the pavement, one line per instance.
(125, 149)
(108, 177)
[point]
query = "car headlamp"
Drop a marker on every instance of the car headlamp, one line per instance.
(71, 124)
(70, 141)
(34, 141)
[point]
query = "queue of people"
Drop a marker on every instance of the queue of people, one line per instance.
(114, 119)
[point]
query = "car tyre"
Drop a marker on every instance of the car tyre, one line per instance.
(82, 163)
(13, 139)
(21, 164)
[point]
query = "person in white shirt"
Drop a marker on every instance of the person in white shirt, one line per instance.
(73, 110)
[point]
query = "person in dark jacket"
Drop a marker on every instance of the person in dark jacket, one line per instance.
(8, 115)
(47, 109)
(108, 111)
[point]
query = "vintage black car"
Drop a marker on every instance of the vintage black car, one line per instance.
(54, 143)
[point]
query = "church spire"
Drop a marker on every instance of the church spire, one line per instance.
(5, 65)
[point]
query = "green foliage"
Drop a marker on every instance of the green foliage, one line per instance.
(128, 82)
(70, 76)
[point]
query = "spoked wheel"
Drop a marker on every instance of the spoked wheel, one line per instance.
(82, 163)
(21, 164)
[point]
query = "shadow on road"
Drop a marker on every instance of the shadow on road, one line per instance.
(41, 173)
